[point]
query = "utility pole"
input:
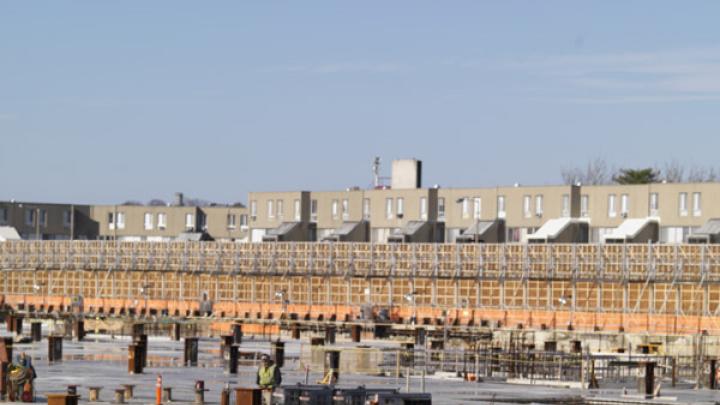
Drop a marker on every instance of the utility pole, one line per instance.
(72, 222)
(37, 223)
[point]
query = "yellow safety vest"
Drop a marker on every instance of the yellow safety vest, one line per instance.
(267, 376)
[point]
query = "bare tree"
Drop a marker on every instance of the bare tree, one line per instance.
(700, 174)
(673, 172)
(596, 172)
(156, 202)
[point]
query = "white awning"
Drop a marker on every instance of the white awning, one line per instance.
(8, 233)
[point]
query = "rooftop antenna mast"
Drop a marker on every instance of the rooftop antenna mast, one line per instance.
(376, 171)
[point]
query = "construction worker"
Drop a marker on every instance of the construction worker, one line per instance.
(268, 377)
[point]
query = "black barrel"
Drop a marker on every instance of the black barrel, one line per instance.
(278, 353)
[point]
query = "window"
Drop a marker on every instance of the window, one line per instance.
(121, 220)
(280, 209)
(345, 209)
(501, 206)
(565, 205)
(388, 208)
(296, 209)
(111, 220)
(43, 217)
(539, 205)
(366, 209)
(271, 209)
(3, 215)
(253, 209)
(477, 207)
(584, 205)
(231, 221)
(189, 221)
(67, 218)
(334, 210)
(526, 207)
(654, 205)
(697, 208)
(612, 211)
(313, 210)
(441, 208)
(162, 220)
(30, 216)
(243, 221)
(148, 220)
(423, 208)
(683, 204)
(624, 205)
(465, 207)
(400, 207)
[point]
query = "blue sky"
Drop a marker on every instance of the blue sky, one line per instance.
(101, 101)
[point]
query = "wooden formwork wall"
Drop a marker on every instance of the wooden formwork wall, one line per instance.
(677, 280)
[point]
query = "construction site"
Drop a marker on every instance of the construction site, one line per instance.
(621, 323)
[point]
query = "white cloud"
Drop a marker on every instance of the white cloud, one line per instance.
(343, 67)
(662, 76)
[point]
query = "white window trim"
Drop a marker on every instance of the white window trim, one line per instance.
(683, 204)
(539, 205)
(465, 207)
(612, 206)
(148, 225)
(161, 220)
(565, 201)
(400, 209)
(279, 208)
(477, 208)
(271, 208)
(654, 205)
(366, 208)
(120, 220)
(345, 206)
(296, 210)
(441, 208)
(697, 204)
(527, 209)
(624, 205)
(334, 209)
(501, 207)
(388, 208)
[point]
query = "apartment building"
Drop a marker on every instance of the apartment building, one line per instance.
(679, 208)
(165, 222)
(44, 221)
(521, 209)
(281, 215)
(226, 223)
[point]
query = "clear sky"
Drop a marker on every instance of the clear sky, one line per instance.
(106, 101)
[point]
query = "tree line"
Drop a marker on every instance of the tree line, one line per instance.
(598, 172)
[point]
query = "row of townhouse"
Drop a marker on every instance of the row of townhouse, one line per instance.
(124, 222)
(515, 213)
(403, 212)
(679, 209)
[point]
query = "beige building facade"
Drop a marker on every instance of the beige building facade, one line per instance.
(44, 221)
(679, 208)
(164, 223)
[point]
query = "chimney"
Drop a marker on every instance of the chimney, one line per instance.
(179, 199)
